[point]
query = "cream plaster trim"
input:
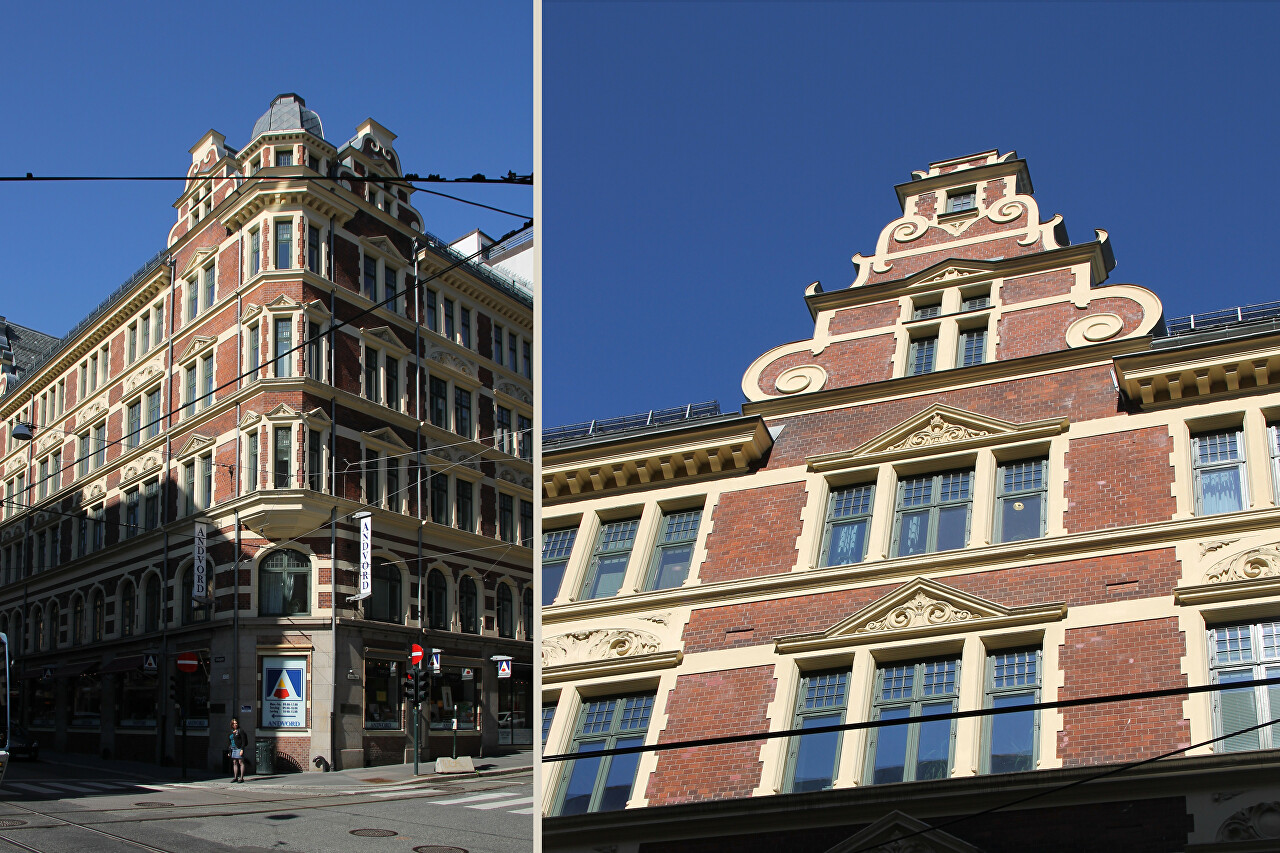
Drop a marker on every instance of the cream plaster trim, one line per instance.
(610, 668)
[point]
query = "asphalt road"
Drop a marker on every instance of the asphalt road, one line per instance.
(63, 810)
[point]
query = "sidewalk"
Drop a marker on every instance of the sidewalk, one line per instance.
(390, 774)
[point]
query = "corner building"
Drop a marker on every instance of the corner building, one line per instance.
(991, 480)
(269, 373)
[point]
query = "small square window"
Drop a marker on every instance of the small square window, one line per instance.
(962, 200)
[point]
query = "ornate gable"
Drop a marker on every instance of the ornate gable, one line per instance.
(198, 344)
(949, 271)
(898, 832)
(938, 426)
(195, 444)
(198, 257)
(385, 246)
(920, 608)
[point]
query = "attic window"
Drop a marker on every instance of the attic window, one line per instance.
(965, 199)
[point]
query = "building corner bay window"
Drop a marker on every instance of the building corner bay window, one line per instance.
(933, 513)
(284, 581)
(609, 561)
(1218, 466)
(603, 783)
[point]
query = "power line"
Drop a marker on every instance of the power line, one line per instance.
(923, 718)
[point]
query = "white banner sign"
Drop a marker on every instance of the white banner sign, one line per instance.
(199, 587)
(284, 693)
(366, 557)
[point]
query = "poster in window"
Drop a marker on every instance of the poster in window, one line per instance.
(284, 696)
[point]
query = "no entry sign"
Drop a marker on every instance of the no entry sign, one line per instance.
(188, 661)
(415, 654)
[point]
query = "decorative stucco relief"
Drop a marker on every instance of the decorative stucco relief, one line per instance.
(939, 431)
(804, 377)
(597, 644)
(514, 391)
(1258, 822)
(921, 610)
(1254, 563)
(452, 361)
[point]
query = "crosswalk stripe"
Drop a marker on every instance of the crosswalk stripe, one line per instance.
(523, 811)
(27, 786)
(110, 786)
(67, 786)
(474, 798)
(503, 804)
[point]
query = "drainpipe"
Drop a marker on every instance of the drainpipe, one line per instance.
(417, 461)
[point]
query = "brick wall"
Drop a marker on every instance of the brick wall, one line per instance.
(713, 704)
(1006, 247)
(864, 317)
(846, 362)
(1119, 658)
(754, 533)
(1039, 286)
(1119, 479)
(1044, 328)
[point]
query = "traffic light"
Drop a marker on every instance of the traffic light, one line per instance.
(173, 689)
(424, 687)
(410, 686)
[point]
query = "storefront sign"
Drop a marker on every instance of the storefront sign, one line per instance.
(468, 674)
(284, 693)
(199, 586)
(366, 556)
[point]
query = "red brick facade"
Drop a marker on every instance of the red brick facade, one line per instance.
(739, 551)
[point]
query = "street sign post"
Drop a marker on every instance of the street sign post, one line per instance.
(504, 671)
(415, 655)
(188, 661)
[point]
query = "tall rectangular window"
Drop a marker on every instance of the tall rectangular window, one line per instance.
(933, 513)
(449, 328)
(371, 374)
(189, 385)
(1218, 471)
(204, 494)
(439, 402)
(462, 412)
(921, 354)
(83, 454)
(440, 499)
(557, 545)
(913, 752)
(284, 343)
(251, 463)
(391, 373)
(131, 346)
(151, 506)
(609, 560)
(283, 450)
(497, 343)
(674, 550)
(511, 350)
(100, 445)
(313, 248)
(134, 429)
(157, 320)
(206, 382)
(1009, 740)
(153, 413)
(372, 470)
(210, 280)
(527, 365)
(848, 520)
(371, 278)
(1245, 653)
(526, 523)
(144, 327)
(131, 508)
(502, 429)
(972, 347)
(812, 759)
(962, 200)
(193, 298)
(44, 480)
(429, 302)
(601, 784)
(464, 512)
(464, 326)
(506, 517)
(524, 435)
(284, 158)
(390, 293)
(255, 251)
(189, 488)
(1020, 504)
(284, 245)
(315, 461)
(55, 471)
(315, 352)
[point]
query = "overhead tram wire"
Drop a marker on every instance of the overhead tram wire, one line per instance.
(412, 178)
(1087, 701)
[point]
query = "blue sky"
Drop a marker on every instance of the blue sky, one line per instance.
(703, 162)
(96, 88)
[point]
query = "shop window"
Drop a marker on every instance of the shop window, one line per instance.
(453, 697)
(382, 697)
(136, 694)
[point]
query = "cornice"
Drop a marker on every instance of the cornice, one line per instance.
(971, 175)
(1157, 378)
(611, 667)
(1005, 555)
(255, 197)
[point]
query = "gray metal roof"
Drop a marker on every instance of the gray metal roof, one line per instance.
(288, 112)
(21, 351)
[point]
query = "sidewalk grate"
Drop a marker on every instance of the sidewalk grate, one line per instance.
(7, 823)
(153, 805)
(374, 833)
(436, 848)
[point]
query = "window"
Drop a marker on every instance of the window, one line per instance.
(255, 350)
(151, 505)
(1273, 439)
(1218, 469)
(528, 360)
(526, 522)
(439, 402)
(315, 352)
(371, 278)
(557, 545)
(151, 605)
(913, 752)
(284, 158)
(391, 372)
(44, 479)
(502, 438)
(959, 200)
(464, 326)
(674, 551)
(384, 603)
(506, 518)
(315, 461)
(132, 507)
(390, 294)
(429, 300)
(511, 350)
(209, 278)
(371, 374)
(933, 513)
(382, 707)
(251, 474)
(976, 302)
(437, 601)
(506, 612)
(921, 355)
(1245, 653)
(1009, 740)
(440, 498)
(131, 348)
(609, 561)
(283, 345)
(313, 248)
(193, 298)
(1020, 504)
(255, 251)
(283, 469)
(497, 344)
(812, 759)
(189, 383)
(206, 382)
(284, 245)
(449, 328)
(157, 319)
(283, 584)
(204, 491)
(462, 412)
(189, 488)
(848, 520)
(152, 428)
(524, 435)
(463, 505)
(604, 784)
(468, 606)
(925, 312)
(372, 466)
(972, 348)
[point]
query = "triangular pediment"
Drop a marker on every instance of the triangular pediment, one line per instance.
(195, 444)
(198, 258)
(283, 302)
(250, 311)
(198, 345)
(388, 436)
(385, 246)
(317, 417)
(898, 832)
(386, 336)
(249, 419)
(918, 608)
(284, 410)
(950, 270)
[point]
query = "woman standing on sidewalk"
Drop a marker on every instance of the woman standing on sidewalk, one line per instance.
(238, 743)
